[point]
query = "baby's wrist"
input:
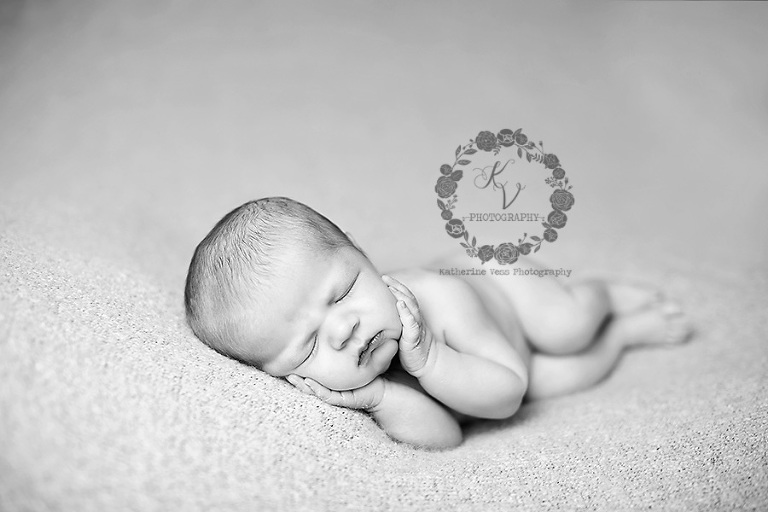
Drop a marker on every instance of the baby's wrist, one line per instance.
(376, 405)
(432, 357)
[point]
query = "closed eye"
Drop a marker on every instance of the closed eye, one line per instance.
(349, 289)
(311, 352)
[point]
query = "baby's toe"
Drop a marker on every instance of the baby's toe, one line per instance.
(679, 327)
(627, 297)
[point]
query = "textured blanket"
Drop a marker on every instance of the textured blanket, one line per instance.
(128, 129)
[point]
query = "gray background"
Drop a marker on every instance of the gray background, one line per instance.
(127, 129)
(658, 111)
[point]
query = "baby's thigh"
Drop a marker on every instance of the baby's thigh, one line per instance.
(555, 318)
(502, 313)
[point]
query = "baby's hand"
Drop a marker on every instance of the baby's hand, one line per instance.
(417, 341)
(367, 397)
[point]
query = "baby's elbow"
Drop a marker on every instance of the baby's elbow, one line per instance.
(451, 440)
(446, 441)
(511, 401)
(506, 409)
(450, 436)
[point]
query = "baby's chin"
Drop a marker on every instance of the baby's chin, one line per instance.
(384, 357)
(356, 384)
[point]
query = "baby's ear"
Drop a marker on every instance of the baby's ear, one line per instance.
(352, 239)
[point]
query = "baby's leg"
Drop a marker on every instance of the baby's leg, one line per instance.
(557, 318)
(562, 318)
(657, 324)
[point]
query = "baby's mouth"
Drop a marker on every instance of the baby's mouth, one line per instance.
(369, 347)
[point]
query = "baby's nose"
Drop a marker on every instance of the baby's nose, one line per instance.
(343, 333)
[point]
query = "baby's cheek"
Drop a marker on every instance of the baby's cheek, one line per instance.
(388, 303)
(335, 375)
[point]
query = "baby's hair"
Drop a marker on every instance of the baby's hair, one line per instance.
(230, 270)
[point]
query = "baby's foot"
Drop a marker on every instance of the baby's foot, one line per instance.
(629, 297)
(662, 323)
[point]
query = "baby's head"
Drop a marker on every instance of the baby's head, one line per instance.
(279, 286)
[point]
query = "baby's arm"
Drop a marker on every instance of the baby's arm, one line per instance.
(411, 416)
(402, 410)
(473, 385)
(486, 379)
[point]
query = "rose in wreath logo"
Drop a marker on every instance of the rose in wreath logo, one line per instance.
(455, 228)
(490, 177)
(445, 186)
(561, 200)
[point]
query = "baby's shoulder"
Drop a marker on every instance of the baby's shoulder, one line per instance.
(433, 289)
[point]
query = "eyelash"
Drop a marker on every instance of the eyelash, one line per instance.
(348, 290)
(314, 349)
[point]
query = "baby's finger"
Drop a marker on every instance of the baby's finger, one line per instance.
(394, 290)
(299, 384)
(413, 305)
(410, 324)
(392, 282)
(318, 389)
(340, 398)
(398, 294)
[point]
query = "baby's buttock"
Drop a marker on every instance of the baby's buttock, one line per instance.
(501, 310)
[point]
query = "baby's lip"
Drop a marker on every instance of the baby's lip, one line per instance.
(365, 350)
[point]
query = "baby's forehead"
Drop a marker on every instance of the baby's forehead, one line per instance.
(295, 292)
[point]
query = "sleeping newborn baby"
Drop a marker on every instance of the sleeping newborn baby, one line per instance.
(278, 286)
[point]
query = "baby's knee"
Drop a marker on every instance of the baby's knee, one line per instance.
(591, 299)
(570, 325)
(564, 334)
